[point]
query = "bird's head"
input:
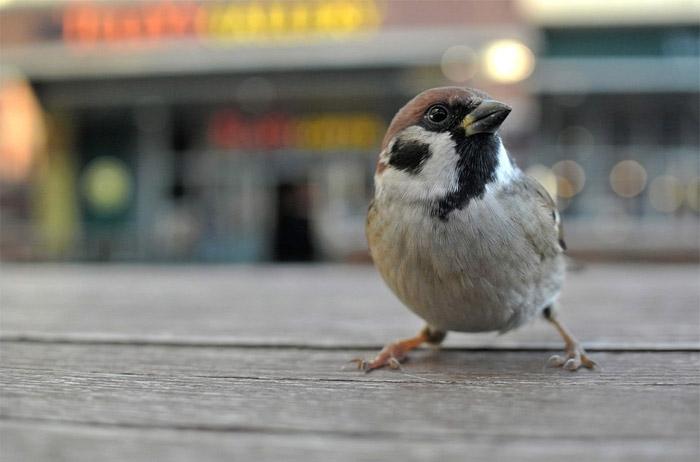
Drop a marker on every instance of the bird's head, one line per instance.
(442, 147)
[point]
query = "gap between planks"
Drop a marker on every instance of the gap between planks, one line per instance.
(78, 443)
(288, 431)
(196, 342)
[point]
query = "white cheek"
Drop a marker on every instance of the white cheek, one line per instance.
(440, 170)
(437, 177)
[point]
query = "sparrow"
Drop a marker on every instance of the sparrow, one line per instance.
(458, 232)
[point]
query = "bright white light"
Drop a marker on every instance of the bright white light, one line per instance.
(508, 61)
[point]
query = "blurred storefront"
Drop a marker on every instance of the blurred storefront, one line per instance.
(248, 130)
(618, 85)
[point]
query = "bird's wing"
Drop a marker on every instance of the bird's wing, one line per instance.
(549, 233)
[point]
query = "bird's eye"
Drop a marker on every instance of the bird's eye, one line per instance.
(437, 114)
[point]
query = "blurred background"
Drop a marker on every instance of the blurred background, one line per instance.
(247, 131)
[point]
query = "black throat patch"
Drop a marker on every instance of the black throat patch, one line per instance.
(409, 156)
(478, 159)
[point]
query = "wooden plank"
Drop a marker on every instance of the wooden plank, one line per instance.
(608, 306)
(451, 394)
(34, 442)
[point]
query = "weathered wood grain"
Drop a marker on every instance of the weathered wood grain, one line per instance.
(608, 306)
(278, 391)
(23, 442)
(454, 395)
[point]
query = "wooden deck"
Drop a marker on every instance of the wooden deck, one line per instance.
(250, 363)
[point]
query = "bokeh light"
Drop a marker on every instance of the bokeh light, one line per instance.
(628, 178)
(666, 193)
(458, 63)
(692, 194)
(22, 130)
(214, 112)
(106, 185)
(545, 176)
(570, 178)
(508, 61)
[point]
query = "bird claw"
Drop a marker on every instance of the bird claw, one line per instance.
(380, 361)
(390, 356)
(555, 361)
(575, 358)
(393, 363)
(360, 363)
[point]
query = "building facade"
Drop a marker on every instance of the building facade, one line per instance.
(248, 130)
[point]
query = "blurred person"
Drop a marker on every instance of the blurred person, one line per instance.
(293, 241)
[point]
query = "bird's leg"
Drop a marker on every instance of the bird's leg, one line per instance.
(575, 354)
(394, 353)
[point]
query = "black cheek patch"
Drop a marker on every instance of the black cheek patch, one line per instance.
(409, 156)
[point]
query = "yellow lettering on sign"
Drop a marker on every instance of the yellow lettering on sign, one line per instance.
(338, 132)
(277, 19)
(300, 19)
(322, 132)
(251, 21)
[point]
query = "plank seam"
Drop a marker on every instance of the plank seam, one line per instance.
(687, 347)
(371, 435)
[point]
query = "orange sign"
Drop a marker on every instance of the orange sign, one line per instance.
(241, 21)
(322, 132)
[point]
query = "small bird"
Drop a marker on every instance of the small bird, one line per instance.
(458, 232)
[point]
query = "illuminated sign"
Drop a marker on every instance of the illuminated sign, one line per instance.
(241, 21)
(323, 132)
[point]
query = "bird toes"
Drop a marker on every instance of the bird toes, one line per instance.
(368, 366)
(393, 363)
(588, 362)
(572, 364)
(575, 358)
(556, 361)
(361, 363)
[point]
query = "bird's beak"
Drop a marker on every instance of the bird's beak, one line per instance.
(486, 118)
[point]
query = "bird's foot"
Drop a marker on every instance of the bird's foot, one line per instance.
(391, 356)
(575, 358)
